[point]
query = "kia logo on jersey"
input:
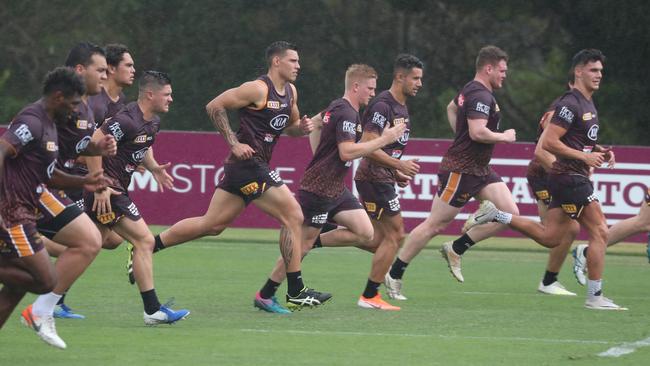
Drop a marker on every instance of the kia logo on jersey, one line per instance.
(279, 122)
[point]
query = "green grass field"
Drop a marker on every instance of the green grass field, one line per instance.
(494, 318)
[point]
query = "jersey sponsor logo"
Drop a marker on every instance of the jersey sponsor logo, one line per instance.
(588, 116)
(273, 104)
(133, 209)
(138, 156)
(587, 149)
(82, 144)
(393, 204)
(593, 133)
(50, 169)
(359, 128)
(379, 119)
(106, 218)
(349, 127)
(130, 168)
(461, 100)
(396, 153)
(496, 108)
(483, 108)
(82, 124)
(542, 195)
(269, 137)
(116, 131)
(319, 219)
(279, 122)
(570, 208)
(24, 134)
(70, 163)
(399, 121)
(371, 206)
(250, 188)
(566, 115)
(404, 139)
(140, 139)
(51, 146)
(348, 164)
(326, 117)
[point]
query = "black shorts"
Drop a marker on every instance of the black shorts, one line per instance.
(55, 211)
(318, 209)
(456, 189)
(378, 198)
(570, 192)
(248, 179)
(77, 196)
(20, 241)
(121, 206)
(539, 186)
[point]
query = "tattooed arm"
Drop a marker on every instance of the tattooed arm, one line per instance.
(250, 94)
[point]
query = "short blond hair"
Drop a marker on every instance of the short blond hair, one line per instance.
(357, 72)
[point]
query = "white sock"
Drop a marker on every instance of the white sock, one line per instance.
(503, 217)
(594, 288)
(44, 304)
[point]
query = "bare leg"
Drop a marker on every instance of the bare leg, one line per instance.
(631, 226)
(593, 220)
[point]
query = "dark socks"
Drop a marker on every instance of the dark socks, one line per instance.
(372, 288)
(294, 283)
(62, 299)
(461, 244)
(549, 278)
(269, 289)
(150, 300)
(159, 244)
(398, 268)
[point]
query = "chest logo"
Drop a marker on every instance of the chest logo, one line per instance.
(82, 124)
(82, 144)
(279, 122)
(138, 156)
(588, 116)
(593, 133)
(273, 104)
(51, 146)
(140, 139)
(404, 139)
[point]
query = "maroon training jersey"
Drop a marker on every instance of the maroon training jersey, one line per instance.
(326, 171)
(134, 135)
(33, 139)
(465, 155)
(535, 168)
(578, 116)
(384, 111)
(261, 128)
(74, 136)
(103, 107)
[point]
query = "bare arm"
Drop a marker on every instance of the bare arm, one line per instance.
(298, 126)
(452, 112)
(553, 145)
(408, 167)
(250, 93)
(314, 135)
(158, 171)
(479, 132)
(544, 157)
(349, 150)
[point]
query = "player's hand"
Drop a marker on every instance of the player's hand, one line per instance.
(392, 134)
(402, 179)
(108, 146)
(242, 151)
(409, 167)
(306, 125)
(610, 158)
(160, 175)
(96, 181)
(594, 159)
(102, 203)
(510, 135)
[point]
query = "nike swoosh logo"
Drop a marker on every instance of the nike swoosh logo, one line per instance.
(36, 327)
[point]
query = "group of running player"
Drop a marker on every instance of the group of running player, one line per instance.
(66, 162)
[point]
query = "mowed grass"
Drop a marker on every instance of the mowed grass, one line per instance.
(494, 318)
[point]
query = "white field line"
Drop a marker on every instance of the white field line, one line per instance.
(539, 294)
(413, 335)
(625, 348)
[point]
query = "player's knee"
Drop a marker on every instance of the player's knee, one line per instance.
(215, 229)
(364, 237)
(292, 219)
(145, 243)
(45, 283)
(92, 244)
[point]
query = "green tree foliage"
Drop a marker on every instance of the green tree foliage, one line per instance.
(210, 46)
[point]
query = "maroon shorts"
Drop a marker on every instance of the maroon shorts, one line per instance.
(539, 186)
(121, 206)
(570, 192)
(20, 241)
(378, 198)
(248, 179)
(318, 209)
(456, 189)
(55, 211)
